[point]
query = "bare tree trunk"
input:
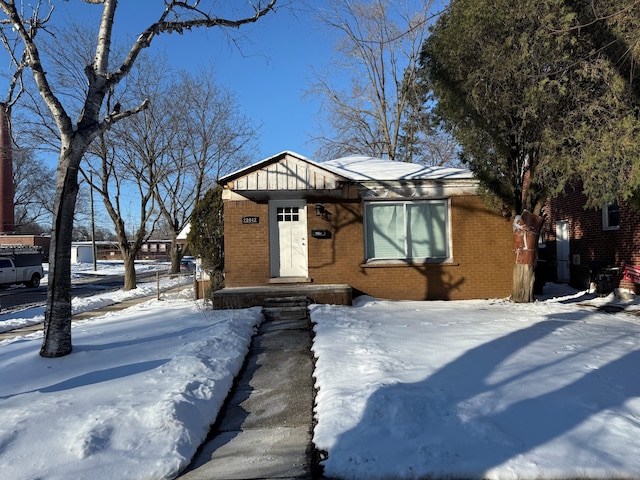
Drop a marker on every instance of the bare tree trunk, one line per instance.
(57, 322)
(129, 271)
(523, 279)
(176, 254)
(123, 244)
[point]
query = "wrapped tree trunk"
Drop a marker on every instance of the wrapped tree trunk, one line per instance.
(526, 230)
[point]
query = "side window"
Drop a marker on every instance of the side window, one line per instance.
(611, 216)
(5, 263)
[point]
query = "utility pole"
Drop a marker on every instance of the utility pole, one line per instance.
(93, 224)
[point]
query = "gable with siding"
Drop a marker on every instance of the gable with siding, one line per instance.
(283, 172)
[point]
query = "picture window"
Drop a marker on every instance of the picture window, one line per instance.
(407, 230)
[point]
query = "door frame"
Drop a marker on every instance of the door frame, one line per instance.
(563, 250)
(274, 238)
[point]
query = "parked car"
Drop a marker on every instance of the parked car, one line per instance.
(187, 265)
(21, 265)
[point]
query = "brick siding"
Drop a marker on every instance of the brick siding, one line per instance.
(246, 246)
(595, 246)
(482, 249)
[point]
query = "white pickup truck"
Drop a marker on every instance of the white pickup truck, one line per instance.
(21, 265)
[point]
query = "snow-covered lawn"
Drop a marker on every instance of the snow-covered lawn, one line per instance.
(133, 401)
(407, 389)
(477, 389)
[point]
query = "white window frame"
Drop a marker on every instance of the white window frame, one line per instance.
(606, 216)
(406, 259)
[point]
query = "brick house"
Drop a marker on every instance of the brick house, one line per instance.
(386, 229)
(594, 247)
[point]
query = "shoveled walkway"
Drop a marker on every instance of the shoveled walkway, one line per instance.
(264, 430)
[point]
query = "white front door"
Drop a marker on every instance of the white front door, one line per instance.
(288, 231)
(562, 250)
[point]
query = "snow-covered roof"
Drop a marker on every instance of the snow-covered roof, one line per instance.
(361, 168)
(184, 232)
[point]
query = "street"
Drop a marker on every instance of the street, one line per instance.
(19, 297)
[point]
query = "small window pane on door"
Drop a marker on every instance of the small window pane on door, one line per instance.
(288, 214)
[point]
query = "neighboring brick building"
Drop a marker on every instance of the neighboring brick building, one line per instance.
(591, 247)
(30, 240)
(387, 229)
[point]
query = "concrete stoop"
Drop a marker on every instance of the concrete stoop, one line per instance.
(286, 308)
(264, 430)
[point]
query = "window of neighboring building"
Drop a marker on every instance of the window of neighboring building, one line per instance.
(407, 230)
(611, 216)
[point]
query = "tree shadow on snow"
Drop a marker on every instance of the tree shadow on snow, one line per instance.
(97, 376)
(461, 426)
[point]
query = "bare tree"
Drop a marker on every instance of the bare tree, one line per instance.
(211, 138)
(122, 175)
(34, 190)
(378, 50)
(96, 117)
(125, 163)
(158, 162)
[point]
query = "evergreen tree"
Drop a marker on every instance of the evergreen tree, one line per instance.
(523, 93)
(206, 237)
(601, 134)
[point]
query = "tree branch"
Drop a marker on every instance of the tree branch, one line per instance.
(179, 26)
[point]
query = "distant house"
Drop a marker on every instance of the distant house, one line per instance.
(155, 249)
(160, 249)
(595, 248)
(386, 229)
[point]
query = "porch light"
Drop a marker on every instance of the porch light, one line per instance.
(319, 210)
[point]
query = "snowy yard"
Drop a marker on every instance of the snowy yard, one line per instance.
(133, 400)
(407, 389)
(477, 389)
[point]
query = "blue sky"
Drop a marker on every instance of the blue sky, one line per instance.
(267, 65)
(268, 72)
(268, 69)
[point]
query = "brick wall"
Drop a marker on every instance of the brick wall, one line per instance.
(587, 238)
(246, 246)
(482, 248)
(33, 240)
(482, 264)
